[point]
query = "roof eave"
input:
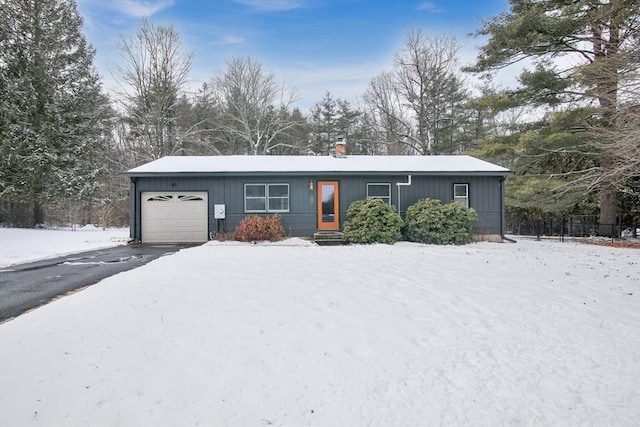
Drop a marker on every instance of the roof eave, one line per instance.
(315, 173)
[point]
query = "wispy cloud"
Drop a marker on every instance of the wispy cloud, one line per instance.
(346, 81)
(430, 6)
(141, 8)
(230, 39)
(271, 5)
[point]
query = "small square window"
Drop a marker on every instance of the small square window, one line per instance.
(379, 191)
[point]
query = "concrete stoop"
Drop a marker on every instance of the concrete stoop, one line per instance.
(328, 238)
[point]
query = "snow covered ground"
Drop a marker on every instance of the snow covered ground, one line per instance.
(291, 334)
(18, 245)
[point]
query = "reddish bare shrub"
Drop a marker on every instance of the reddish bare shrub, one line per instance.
(256, 228)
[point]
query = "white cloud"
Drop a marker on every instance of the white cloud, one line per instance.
(231, 39)
(345, 81)
(141, 8)
(430, 6)
(271, 5)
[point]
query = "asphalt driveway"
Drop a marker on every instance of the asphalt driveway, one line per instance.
(27, 286)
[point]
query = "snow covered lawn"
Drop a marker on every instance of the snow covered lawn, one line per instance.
(291, 334)
(19, 245)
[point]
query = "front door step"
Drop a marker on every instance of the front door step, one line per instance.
(328, 237)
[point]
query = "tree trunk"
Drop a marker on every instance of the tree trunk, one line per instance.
(38, 214)
(608, 198)
(607, 93)
(607, 212)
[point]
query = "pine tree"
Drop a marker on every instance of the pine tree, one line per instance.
(331, 118)
(54, 119)
(585, 54)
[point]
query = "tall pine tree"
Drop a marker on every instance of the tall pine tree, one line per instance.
(54, 116)
(586, 55)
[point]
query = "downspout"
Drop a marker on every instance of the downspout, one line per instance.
(133, 211)
(502, 213)
(399, 184)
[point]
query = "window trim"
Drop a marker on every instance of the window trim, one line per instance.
(460, 199)
(388, 198)
(266, 198)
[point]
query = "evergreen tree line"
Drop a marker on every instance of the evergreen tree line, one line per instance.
(569, 131)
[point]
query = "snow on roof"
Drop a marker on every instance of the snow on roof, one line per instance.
(293, 164)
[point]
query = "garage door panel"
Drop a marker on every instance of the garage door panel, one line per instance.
(188, 214)
(174, 217)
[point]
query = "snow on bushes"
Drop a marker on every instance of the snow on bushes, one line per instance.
(430, 221)
(256, 228)
(372, 221)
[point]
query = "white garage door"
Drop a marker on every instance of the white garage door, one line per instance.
(174, 217)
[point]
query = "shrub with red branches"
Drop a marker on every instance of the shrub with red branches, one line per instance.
(256, 228)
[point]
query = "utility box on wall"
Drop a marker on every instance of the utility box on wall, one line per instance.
(219, 211)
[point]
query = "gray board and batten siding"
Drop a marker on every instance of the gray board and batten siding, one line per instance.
(225, 185)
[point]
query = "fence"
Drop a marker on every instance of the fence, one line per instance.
(571, 226)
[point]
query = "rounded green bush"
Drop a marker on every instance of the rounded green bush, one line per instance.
(372, 221)
(430, 221)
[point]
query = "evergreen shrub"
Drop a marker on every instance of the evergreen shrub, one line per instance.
(372, 221)
(430, 221)
(256, 228)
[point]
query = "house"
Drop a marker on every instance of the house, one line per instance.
(190, 198)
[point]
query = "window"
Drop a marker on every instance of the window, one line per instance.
(461, 194)
(160, 198)
(379, 191)
(190, 198)
(278, 197)
(255, 198)
(266, 197)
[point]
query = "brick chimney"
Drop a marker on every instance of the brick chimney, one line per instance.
(341, 147)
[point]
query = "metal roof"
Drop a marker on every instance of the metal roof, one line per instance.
(207, 165)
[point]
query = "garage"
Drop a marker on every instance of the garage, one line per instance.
(174, 217)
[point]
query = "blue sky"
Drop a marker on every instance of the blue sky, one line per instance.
(314, 45)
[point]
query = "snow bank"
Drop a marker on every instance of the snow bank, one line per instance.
(533, 333)
(18, 245)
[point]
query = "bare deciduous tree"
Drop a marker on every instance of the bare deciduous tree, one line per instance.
(255, 109)
(153, 76)
(419, 100)
(623, 139)
(386, 114)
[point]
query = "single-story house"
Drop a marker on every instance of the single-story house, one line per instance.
(190, 198)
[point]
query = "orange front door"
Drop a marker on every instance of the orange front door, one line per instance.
(328, 207)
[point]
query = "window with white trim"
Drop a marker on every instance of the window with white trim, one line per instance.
(461, 194)
(266, 197)
(377, 190)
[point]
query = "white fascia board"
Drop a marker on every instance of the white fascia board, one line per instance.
(316, 164)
